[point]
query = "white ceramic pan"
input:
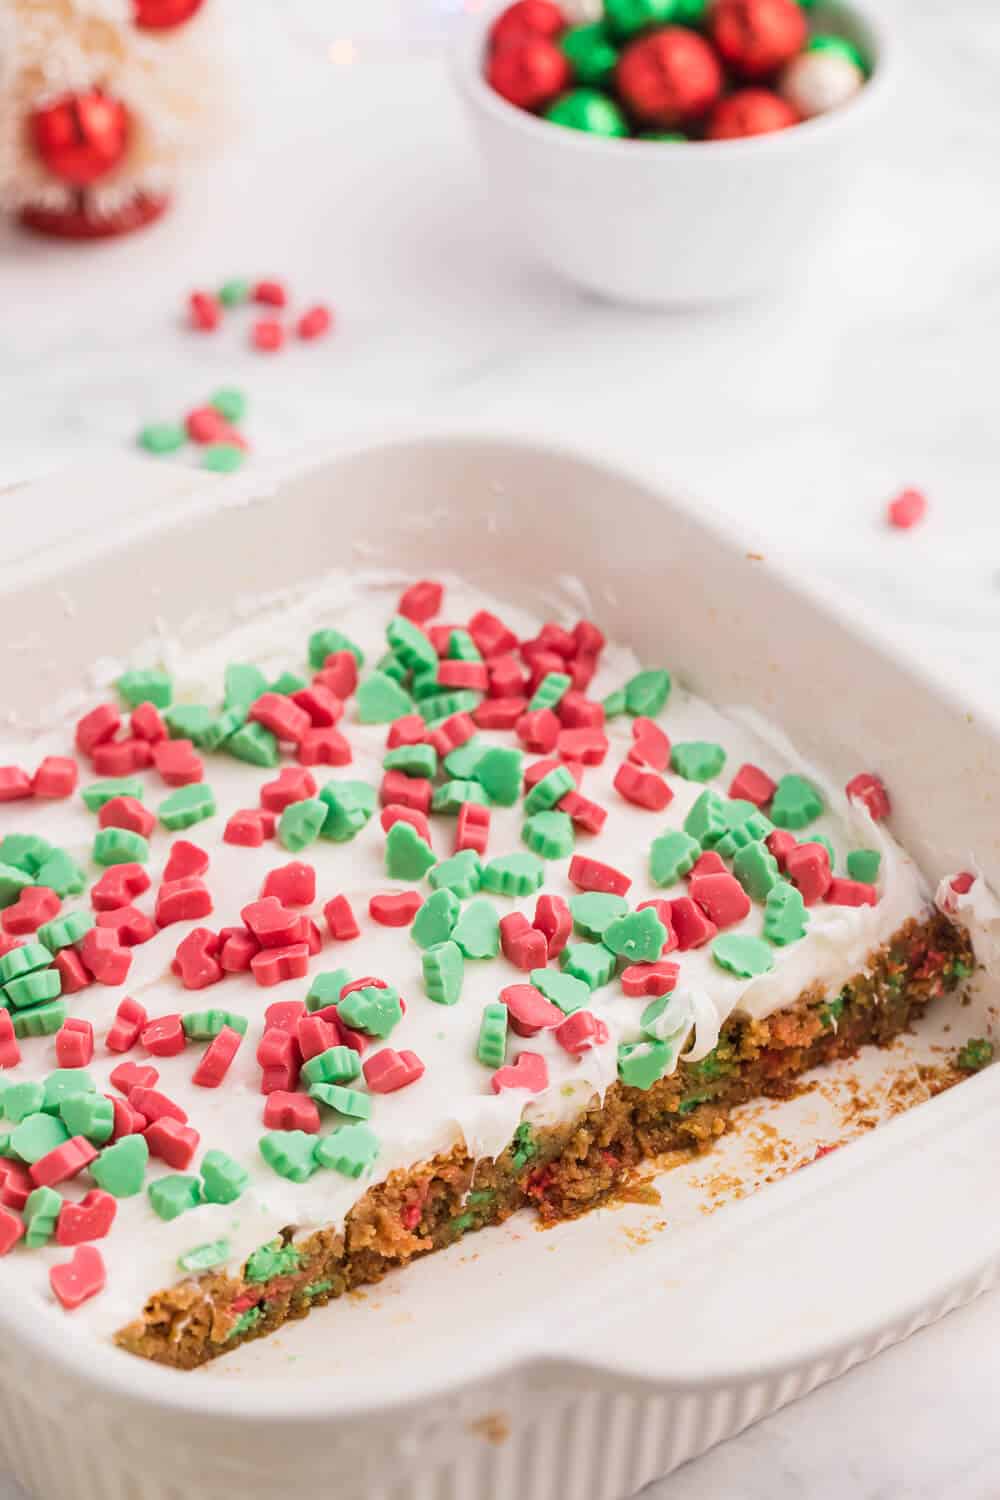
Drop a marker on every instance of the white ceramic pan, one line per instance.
(585, 1361)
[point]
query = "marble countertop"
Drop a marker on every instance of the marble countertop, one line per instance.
(874, 368)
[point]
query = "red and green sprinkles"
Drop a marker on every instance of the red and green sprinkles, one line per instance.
(323, 1058)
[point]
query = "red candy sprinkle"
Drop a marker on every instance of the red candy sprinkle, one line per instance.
(451, 733)
(323, 707)
(529, 1011)
(216, 1058)
(279, 1059)
(75, 1281)
(122, 757)
(245, 828)
(117, 886)
(172, 1142)
(523, 945)
(339, 674)
(463, 675)
(530, 1071)
(962, 883)
(154, 1105)
(204, 311)
(90, 1219)
(491, 635)
(499, 713)
(10, 1052)
(472, 827)
(197, 960)
(409, 730)
(103, 957)
(841, 892)
(271, 293)
(588, 816)
(662, 909)
(183, 900)
(907, 509)
(293, 884)
(579, 712)
(204, 424)
(71, 971)
(808, 868)
(286, 1111)
(593, 875)
(285, 1015)
(420, 601)
(267, 335)
(56, 777)
(314, 322)
(238, 949)
(11, 1230)
(146, 723)
(15, 784)
(130, 1018)
(507, 678)
(272, 965)
(313, 1034)
(128, 813)
(580, 1032)
(127, 1121)
(397, 910)
(751, 784)
(128, 1076)
(538, 730)
(100, 724)
(587, 745)
(164, 1036)
(271, 923)
(323, 747)
(408, 791)
(129, 925)
(289, 786)
(870, 789)
(554, 921)
(641, 980)
(397, 813)
(642, 788)
(178, 763)
(781, 843)
(721, 897)
(74, 1043)
(35, 904)
(15, 1184)
(185, 860)
(62, 1163)
(690, 923)
(340, 919)
(283, 717)
(388, 1070)
(709, 863)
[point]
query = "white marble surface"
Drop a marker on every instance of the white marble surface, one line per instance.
(875, 367)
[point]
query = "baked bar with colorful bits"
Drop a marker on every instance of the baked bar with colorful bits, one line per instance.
(488, 915)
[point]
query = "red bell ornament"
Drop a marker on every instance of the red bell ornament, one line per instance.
(81, 137)
(163, 15)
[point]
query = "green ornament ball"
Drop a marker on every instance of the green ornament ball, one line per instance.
(662, 135)
(626, 18)
(590, 53)
(588, 110)
(823, 42)
(690, 12)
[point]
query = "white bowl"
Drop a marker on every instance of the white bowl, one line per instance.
(672, 223)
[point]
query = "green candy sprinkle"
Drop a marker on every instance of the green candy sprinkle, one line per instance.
(301, 824)
(756, 869)
(119, 846)
(413, 760)
(491, 1047)
(335, 1065)
(121, 1169)
(66, 1083)
(672, 856)
(641, 1064)
(222, 458)
(562, 989)
(40, 1020)
(222, 729)
(594, 911)
(638, 937)
(549, 834)
(99, 792)
(63, 932)
(274, 1259)
(24, 960)
(229, 402)
(289, 1153)
(371, 1010)
(591, 963)
(744, 956)
(707, 821)
(785, 915)
(976, 1054)
(203, 1025)
(380, 700)
(173, 1195)
(25, 851)
(244, 1323)
(89, 1115)
(37, 1135)
(34, 989)
(795, 803)
(551, 789)
(324, 643)
(498, 771)
(149, 686)
(477, 931)
(317, 1288)
(231, 294)
(461, 647)
(345, 1101)
(745, 824)
(189, 805)
(12, 883)
(205, 1257)
(22, 1099)
(162, 437)
(550, 691)
(436, 919)
(351, 1149)
(443, 705)
(41, 1211)
(408, 642)
(186, 721)
(647, 693)
(453, 795)
(513, 875)
(243, 684)
(60, 872)
(443, 970)
(864, 865)
(255, 744)
(462, 763)
(346, 814)
(325, 988)
(697, 760)
(614, 704)
(223, 1179)
(407, 855)
(522, 1146)
(462, 874)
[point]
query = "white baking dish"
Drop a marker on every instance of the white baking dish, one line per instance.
(588, 1360)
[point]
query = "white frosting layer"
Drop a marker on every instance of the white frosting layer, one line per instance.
(454, 1100)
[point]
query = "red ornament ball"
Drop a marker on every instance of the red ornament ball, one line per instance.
(525, 19)
(754, 37)
(749, 112)
(80, 137)
(668, 77)
(530, 73)
(162, 15)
